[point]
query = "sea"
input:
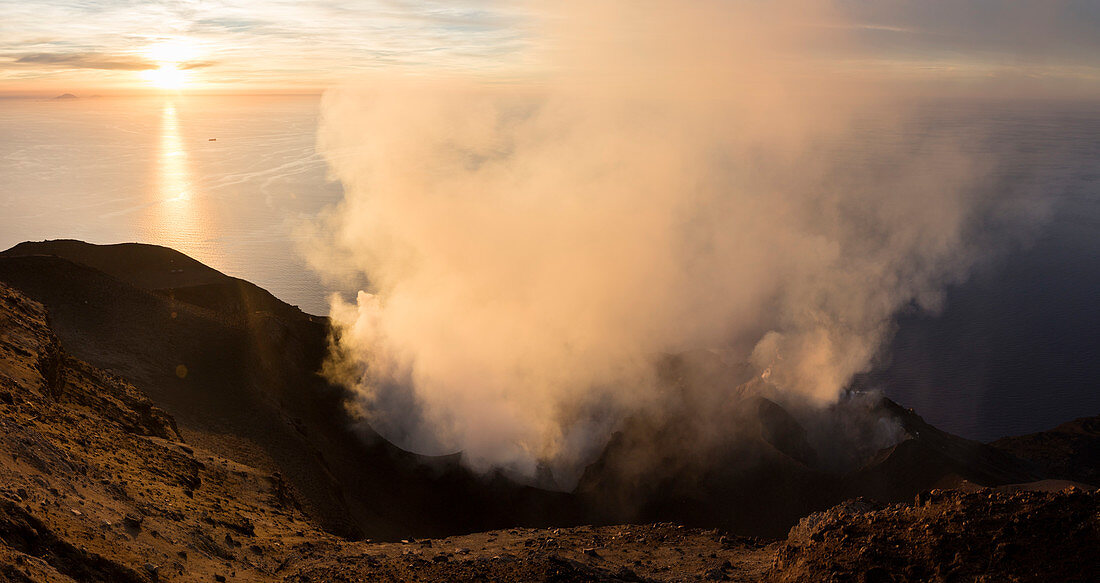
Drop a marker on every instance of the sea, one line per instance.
(229, 181)
(232, 181)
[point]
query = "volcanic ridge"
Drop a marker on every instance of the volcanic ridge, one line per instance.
(161, 421)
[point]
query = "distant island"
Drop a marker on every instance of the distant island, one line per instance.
(65, 96)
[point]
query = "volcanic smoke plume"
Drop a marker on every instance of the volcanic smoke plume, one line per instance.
(676, 179)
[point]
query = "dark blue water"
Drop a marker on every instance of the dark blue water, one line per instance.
(1017, 346)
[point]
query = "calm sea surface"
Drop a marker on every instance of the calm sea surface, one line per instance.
(1016, 349)
(144, 169)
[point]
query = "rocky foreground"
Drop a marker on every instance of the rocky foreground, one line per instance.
(99, 483)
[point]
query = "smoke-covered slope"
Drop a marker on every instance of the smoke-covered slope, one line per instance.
(237, 368)
(754, 462)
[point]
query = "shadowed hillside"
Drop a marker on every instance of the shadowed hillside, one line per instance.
(237, 369)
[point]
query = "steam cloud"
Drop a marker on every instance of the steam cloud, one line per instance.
(688, 178)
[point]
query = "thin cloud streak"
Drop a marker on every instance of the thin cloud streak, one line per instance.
(87, 61)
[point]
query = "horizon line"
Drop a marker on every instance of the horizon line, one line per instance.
(107, 95)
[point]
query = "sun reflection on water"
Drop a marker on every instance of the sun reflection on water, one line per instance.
(174, 171)
(176, 216)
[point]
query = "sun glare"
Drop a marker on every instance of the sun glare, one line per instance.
(167, 76)
(169, 56)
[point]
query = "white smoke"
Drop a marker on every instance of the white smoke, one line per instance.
(674, 179)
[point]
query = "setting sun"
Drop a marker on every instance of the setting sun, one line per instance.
(166, 77)
(170, 57)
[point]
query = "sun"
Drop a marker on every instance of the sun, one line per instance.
(170, 57)
(167, 76)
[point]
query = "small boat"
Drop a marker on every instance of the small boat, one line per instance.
(212, 140)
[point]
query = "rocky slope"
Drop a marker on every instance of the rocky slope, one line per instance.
(985, 535)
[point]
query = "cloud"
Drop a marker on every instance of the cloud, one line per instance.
(188, 65)
(1056, 31)
(89, 60)
(82, 60)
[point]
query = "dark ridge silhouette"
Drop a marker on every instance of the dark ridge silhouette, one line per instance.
(1070, 451)
(930, 458)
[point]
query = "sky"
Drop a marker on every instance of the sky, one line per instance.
(118, 46)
